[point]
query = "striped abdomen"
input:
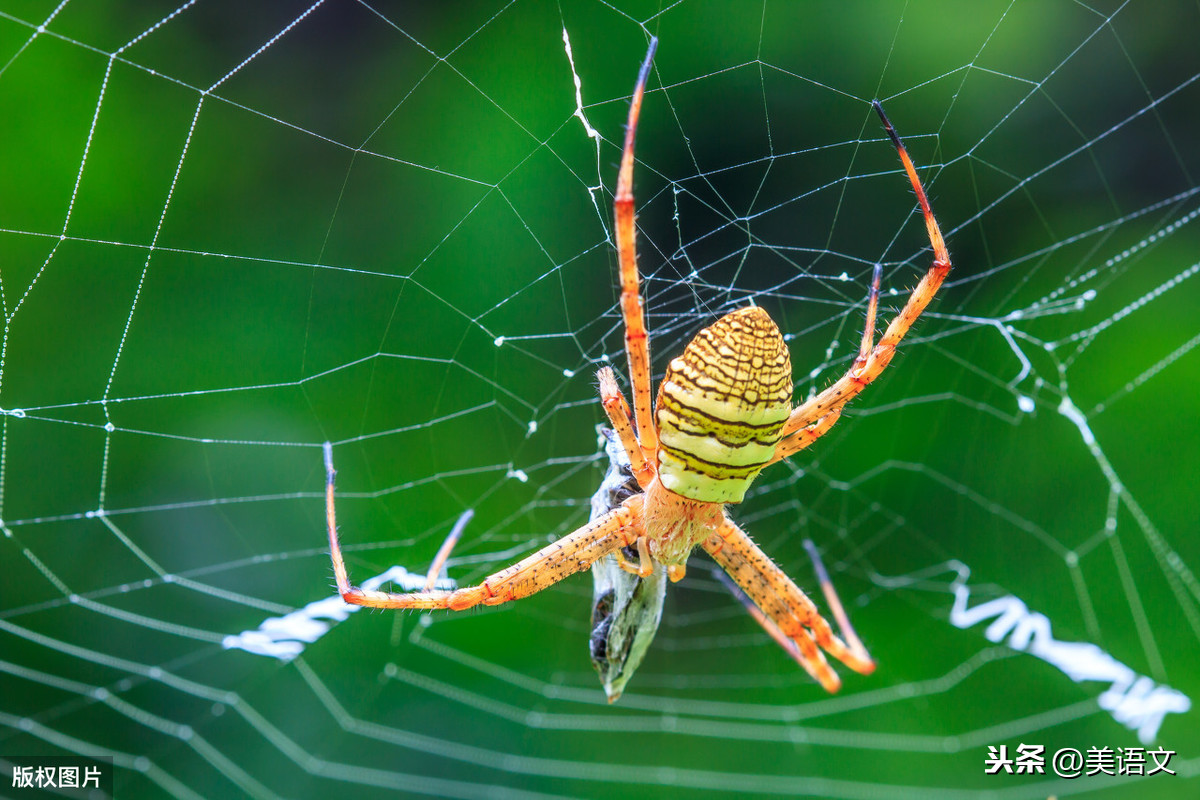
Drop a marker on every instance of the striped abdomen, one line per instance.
(721, 407)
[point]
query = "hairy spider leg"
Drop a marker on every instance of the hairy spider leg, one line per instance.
(439, 560)
(831, 597)
(762, 619)
(618, 415)
(790, 445)
(835, 603)
(785, 605)
(868, 337)
(804, 437)
(645, 565)
(574, 552)
(637, 343)
(866, 368)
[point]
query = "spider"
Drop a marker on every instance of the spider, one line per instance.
(723, 413)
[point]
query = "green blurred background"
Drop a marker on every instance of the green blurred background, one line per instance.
(386, 229)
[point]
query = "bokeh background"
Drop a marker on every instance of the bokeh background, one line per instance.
(229, 233)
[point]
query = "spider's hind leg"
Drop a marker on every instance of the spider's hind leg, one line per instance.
(786, 606)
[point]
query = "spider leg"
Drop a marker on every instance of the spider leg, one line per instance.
(439, 560)
(570, 554)
(645, 566)
(762, 619)
(785, 605)
(618, 415)
(637, 345)
(868, 337)
(835, 603)
(868, 365)
(802, 438)
(790, 445)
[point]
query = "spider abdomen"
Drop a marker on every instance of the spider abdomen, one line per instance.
(721, 407)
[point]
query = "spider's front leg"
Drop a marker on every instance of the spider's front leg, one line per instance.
(637, 341)
(785, 605)
(574, 552)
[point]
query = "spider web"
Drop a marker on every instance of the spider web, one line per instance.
(233, 232)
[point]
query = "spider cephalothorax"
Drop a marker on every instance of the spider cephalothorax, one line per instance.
(723, 413)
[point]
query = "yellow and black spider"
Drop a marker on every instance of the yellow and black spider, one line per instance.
(723, 413)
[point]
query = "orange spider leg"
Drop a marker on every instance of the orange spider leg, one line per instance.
(785, 605)
(867, 368)
(790, 445)
(804, 437)
(645, 566)
(835, 604)
(618, 415)
(570, 554)
(439, 560)
(774, 631)
(637, 345)
(868, 337)
(762, 619)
